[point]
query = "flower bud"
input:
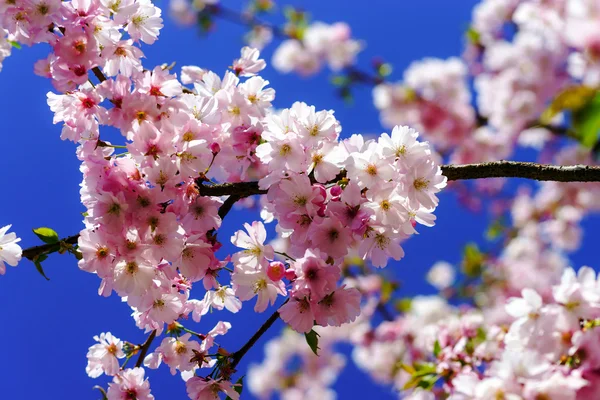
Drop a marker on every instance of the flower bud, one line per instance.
(336, 190)
(290, 274)
(276, 271)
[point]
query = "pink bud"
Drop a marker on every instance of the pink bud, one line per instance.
(215, 148)
(290, 275)
(276, 271)
(336, 190)
(413, 222)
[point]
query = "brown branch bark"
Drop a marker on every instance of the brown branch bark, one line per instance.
(144, 349)
(237, 356)
(242, 189)
(99, 75)
(32, 252)
(527, 170)
(495, 169)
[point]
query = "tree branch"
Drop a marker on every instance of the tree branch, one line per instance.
(227, 205)
(99, 75)
(237, 356)
(242, 189)
(144, 349)
(32, 252)
(494, 169)
(527, 170)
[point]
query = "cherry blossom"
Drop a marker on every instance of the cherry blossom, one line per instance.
(10, 251)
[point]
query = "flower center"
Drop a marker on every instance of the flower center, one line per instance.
(260, 285)
(385, 205)
(421, 183)
(180, 348)
(285, 150)
(101, 253)
(112, 349)
(188, 136)
(400, 151)
(381, 241)
(131, 267)
(371, 169)
(300, 201)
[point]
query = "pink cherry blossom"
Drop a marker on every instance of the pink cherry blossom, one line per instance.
(103, 357)
(127, 383)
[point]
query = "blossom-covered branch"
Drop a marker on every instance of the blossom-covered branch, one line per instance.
(496, 169)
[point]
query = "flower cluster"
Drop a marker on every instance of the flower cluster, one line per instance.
(542, 347)
(151, 231)
(389, 186)
(83, 35)
(549, 348)
(319, 43)
(434, 98)
(191, 147)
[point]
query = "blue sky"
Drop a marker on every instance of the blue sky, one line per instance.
(47, 327)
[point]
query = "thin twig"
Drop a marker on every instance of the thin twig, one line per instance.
(32, 252)
(237, 356)
(144, 349)
(99, 75)
(227, 205)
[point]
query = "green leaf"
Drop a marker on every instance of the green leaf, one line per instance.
(239, 385)
(384, 69)
(14, 44)
(472, 35)
(408, 368)
(437, 349)
(312, 338)
(340, 80)
(47, 235)
(78, 255)
(427, 382)
(572, 98)
(387, 289)
(412, 383)
(423, 369)
(37, 261)
(481, 335)
(495, 230)
(403, 305)
(586, 122)
(423, 375)
(473, 259)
